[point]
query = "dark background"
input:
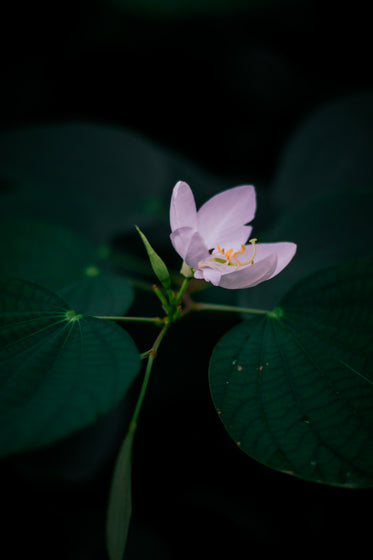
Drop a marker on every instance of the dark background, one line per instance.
(225, 89)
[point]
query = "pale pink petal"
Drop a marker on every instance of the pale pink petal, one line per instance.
(197, 251)
(181, 238)
(183, 212)
(199, 275)
(250, 275)
(209, 275)
(221, 218)
(235, 239)
(284, 251)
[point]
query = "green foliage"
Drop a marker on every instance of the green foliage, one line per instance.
(330, 229)
(329, 151)
(120, 501)
(59, 370)
(294, 389)
(97, 180)
(64, 262)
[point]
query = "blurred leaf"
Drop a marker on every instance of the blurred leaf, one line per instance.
(182, 8)
(331, 229)
(62, 261)
(59, 371)
(332, 149)
(99, 180)
(120, 501)
(293, 389)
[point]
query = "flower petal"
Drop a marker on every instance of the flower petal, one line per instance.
(209, 275)
(223, 216)
(284, 251)
(250, 275)
(180, 239)
(235, 239)
(197, 251)
(183, 212)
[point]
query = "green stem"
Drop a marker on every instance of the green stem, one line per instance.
(181, 292)
(156, 320)
(151, 357)
(219, 307)
(162, 298)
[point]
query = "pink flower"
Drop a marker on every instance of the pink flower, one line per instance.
(212, 240)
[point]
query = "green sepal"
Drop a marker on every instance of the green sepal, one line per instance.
(158, 266)
(187, 270)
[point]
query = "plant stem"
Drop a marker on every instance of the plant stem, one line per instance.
(219, 307)
(180, 294)
(162, 298)
(151, 357)
(156, 320)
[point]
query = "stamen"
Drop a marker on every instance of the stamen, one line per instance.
(238, 253)
(227, 256)
(239, 263)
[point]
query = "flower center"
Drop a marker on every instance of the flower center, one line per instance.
(223, 257)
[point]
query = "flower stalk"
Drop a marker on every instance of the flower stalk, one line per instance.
(158, 321)
(151, 355)
(196, 306)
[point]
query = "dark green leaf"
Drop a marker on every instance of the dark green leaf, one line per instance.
(331, 150)
(295, 389)
(99, 180)
(329, 230)
(120, 501)
(59, 371)
(64, 262)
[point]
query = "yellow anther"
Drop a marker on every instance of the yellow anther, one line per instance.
(238, 253)
(227, 256)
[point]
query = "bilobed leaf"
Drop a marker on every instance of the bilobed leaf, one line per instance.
(294, 389)
(59, 371)
(59, 259)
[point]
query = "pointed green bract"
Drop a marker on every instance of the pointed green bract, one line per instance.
(295, 389)
(60, 260)
(59, 370)
(158, 266)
